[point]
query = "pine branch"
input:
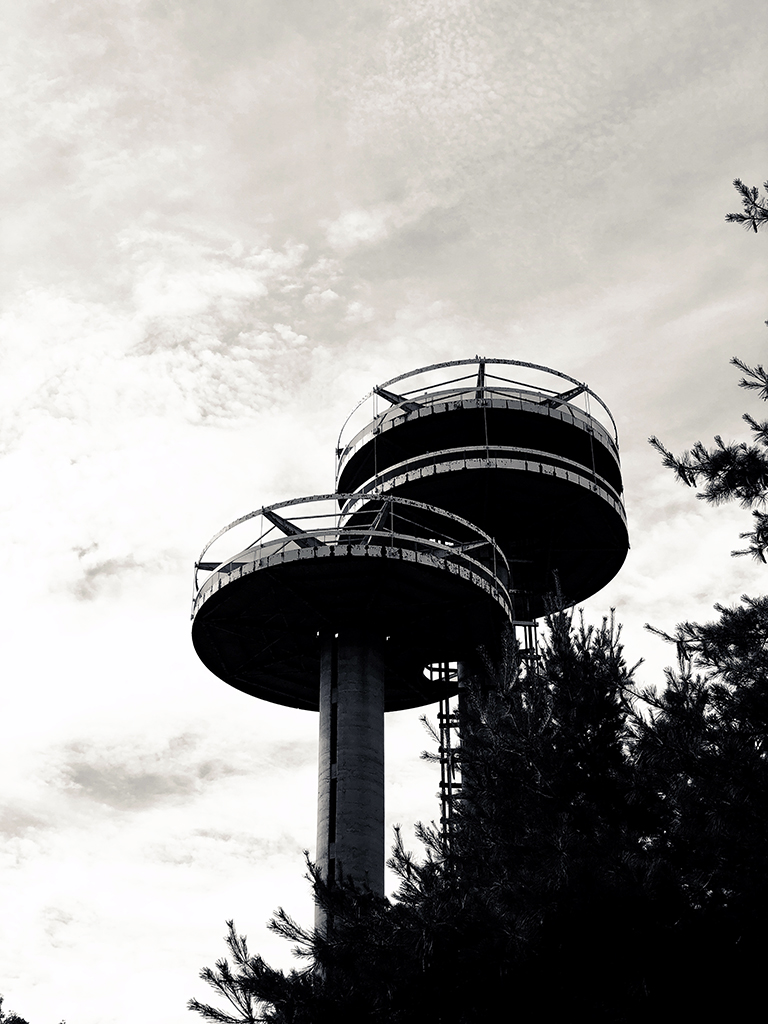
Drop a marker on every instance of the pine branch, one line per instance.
(758, 538)
(283, 924)
(681, 467)
(211, 1013)
(755, 213)
(755, 377)
(727, 471)
(759, 429)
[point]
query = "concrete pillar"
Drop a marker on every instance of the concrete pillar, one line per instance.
(350, 806)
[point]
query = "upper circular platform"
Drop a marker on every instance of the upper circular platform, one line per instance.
(532, 458)
(425, 581)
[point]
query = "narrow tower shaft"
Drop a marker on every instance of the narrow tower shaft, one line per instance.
(350, 819)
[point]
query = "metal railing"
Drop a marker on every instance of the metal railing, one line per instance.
(478, 385)
(521, 459)
(351, 524)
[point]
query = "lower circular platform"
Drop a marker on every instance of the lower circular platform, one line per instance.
(258, 621)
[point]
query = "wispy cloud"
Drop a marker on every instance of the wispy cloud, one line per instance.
(132, 779)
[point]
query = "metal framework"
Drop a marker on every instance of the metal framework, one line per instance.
(450, 767)
(446, 673)
(449, 718)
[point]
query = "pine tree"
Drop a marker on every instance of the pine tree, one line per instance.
(609, 858)
(547, 880)
(705, 751)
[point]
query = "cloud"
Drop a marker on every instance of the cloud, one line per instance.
(207, 847)
(17, 820)
(99, 574)
(356, 227)
(56, 922)
(137, 779)
(320, 299)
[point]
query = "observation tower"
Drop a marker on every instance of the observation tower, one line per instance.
(470, 500)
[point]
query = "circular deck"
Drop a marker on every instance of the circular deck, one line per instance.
(535, 471)
(260, 615)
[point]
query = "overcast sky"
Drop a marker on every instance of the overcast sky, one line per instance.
(223, 222)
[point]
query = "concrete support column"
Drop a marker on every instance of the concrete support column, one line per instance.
(350, 816)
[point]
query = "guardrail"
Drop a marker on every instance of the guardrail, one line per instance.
(485, 385)
(352, 524)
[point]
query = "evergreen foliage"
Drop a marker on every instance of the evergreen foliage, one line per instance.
(706, 752)
(733, 471)
(755, 213)
(11, 1017)
(611, 847)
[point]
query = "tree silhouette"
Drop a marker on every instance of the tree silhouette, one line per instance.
(610, 846)
(11, 1017)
